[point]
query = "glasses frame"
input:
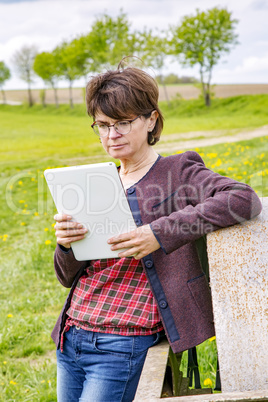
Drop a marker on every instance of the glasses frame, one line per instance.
(113, 125)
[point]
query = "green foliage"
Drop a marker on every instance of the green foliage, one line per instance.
(4, 73)
(202, 39)
(4, 76)
(110, 38)
(46, 67)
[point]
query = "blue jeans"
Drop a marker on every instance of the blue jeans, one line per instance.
(96, 367)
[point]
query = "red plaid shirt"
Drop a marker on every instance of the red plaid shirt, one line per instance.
(114, 297)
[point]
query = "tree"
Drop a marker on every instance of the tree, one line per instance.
(23, 61)
(153, 50)
(111, 39)
(45, 66)
(201, 40)
(70, 61)
(4, 76)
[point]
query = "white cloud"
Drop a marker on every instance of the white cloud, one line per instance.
(253, 70)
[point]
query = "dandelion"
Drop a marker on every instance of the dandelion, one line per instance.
(46, 229)
(212, 155)
(33, 178)
(4, 362)
(47, 242)
(13, 382)
(21, 201)
(208, 382)
(212, 339)
(10, 187)
(53, 224)
(22, 223)
(20, 183)
(36, 214)
(10, 316)
(42, 382)
(25, 205)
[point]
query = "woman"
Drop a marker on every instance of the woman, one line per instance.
(118, 308)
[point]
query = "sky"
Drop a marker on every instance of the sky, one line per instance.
(46, 23)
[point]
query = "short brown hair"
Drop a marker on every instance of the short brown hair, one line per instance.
(122, 93)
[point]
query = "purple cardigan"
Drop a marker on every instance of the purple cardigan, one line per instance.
(182, 201)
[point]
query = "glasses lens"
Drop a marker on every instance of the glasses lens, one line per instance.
(101, 130)
(122, 127)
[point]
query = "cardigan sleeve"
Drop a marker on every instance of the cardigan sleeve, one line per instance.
(210, 202)
(66, 266)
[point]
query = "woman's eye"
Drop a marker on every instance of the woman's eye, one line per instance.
(102, 126)
(122, 123)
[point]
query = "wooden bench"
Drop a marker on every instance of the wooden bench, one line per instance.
(238, 265)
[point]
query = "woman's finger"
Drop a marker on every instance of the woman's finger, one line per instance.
(70, 233)
(65, 225)
(62, 217)
(68, 240)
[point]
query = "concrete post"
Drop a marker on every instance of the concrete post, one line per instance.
(238, 261)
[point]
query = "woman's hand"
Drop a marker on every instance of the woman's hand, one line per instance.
(140, 242)
(66, 231)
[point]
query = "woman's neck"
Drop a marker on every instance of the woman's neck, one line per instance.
(132, 173)
(143, 162)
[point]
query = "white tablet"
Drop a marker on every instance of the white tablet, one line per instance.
(94, 196)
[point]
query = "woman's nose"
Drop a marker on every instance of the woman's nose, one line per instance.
(113, 133)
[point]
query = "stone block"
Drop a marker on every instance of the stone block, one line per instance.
(238, 261)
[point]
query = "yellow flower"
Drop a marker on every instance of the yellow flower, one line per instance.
(21, 201)
(46, 229)
(11, 187)
(208, 382)
(20, 183)
(22, 223)
(10, 316)
(212, 339)
(5, 362)
(53, 224)
(212, 155)
(13, 382)
(42, 382)
(219, 162)
(36, 214)
(47, 242)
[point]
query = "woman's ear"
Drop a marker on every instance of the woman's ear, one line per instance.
(152, 120)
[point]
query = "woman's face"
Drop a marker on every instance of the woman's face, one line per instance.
(131, 145)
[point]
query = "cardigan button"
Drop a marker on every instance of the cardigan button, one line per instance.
(149, 264)
(163, 304)
(131, 190)
(138, 222)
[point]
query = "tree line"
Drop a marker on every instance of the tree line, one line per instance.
(200, 39)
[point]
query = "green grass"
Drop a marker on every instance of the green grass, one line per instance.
(245, 111)
(30, 296)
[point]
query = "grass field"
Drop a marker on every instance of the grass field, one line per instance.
(30, 296)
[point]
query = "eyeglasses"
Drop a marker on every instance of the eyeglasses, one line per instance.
(121, 127)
